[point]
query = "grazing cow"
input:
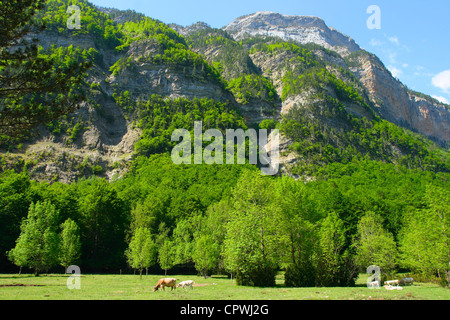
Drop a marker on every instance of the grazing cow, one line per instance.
(392, 282)
(186, 283)
(407, 281)
(389, 287)
(165, 282)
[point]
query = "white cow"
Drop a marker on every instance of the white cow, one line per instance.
(389, 287)
(186, 283)
(392, 282)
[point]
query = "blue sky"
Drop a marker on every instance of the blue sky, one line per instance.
(413, 41)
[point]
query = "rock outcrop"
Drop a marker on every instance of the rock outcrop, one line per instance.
(303, 29)
(397, 104)
(105, 141)
(393, 101)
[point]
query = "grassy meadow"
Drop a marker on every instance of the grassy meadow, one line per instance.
(130, 287)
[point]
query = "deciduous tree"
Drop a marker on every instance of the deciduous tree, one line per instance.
(374, 245)
(70, 243)
(141, 252)
(37, 245)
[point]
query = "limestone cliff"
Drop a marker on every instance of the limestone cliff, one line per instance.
(398, 104)
(393, 101)
(303, 29)
(100, 137)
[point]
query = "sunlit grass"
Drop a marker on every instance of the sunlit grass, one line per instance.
(126, 287)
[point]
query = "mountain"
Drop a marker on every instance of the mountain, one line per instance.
(331, 100)
(302, 29)
(392, 99)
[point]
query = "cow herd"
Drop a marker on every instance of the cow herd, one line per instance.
(171, 282)
(392, 284)
(188, 284)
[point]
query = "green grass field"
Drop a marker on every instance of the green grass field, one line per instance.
(126, 287)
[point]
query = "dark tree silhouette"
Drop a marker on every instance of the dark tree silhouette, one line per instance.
(34, 88)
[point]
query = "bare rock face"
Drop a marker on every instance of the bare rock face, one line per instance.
(185, 31)
(105, 143)
(146, 78)
(399, 105)
(394, 102)
(430, 118)
(303, 29)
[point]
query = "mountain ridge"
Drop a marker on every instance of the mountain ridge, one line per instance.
(303, 29)
(414, 110)
(148, 80)
(418, 112)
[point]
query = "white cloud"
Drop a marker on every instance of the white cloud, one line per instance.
(396, 72)
(441, 99)
(442, 81)
(394, 40)
(421, 71)
(420, 68)
(375, 42)
(392, 57)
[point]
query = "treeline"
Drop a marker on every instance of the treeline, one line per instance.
(321, 142)
(93, 23)
(159, 116)
(230, 57)
(230, 219)
(248, 87)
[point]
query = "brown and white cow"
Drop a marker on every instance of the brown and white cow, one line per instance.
(165, 282)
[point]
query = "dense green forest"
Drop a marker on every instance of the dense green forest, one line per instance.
(229, 218)
(366, 192)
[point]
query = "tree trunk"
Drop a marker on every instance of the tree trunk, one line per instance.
(292, 249)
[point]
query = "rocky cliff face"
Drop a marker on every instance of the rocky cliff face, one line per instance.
(106, 138)
(393, 101)
(303, 29)
(143, 78)
(185, 31)
(399, 105)
(107, 135)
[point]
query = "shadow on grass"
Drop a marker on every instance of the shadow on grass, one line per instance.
(32, 275)
(22, 285)
(17, 276)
